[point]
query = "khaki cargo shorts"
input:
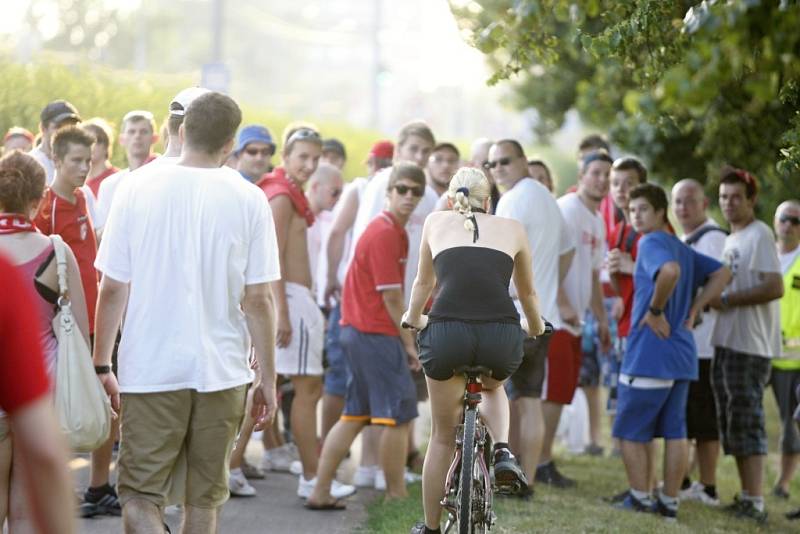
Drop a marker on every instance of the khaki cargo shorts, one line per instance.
(161, 430)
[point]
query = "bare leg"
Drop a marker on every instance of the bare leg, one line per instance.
(5, 477)
(370, 442)
(445, 415)
(595, 405)
(707, 453)
(20, 519)
(634, 456)
(393, 453)
(676, 457)
(334, 450)
(751, 473)
(513, 429)
(652, 465)
(271, 437)
(530, 428)
(332, 406)
(788, 468)
(101, 458)
(307, 392)
(142, 517)
(552, 414)
(248, 423)
(200, 520)
(495, 411)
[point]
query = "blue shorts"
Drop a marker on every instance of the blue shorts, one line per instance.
(380, 389)
(336, 372)
(644, 414)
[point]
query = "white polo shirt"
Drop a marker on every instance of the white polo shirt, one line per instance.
(187, 240)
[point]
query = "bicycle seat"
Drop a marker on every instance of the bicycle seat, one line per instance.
(473, 371)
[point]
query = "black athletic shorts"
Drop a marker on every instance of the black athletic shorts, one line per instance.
(447, 345)
(528, 379)
(701, 408)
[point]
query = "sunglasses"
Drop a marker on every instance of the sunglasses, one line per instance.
(303, 134)
(794, 220)
(403, 189)
(266, 151)
(502, 162)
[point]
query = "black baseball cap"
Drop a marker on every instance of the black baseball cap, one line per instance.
(58, 111)
(335, 146)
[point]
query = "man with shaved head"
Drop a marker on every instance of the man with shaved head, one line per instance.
(786, 368)
(703, 234)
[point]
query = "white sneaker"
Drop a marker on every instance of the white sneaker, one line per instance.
(364, 477)
(296, 467)
(281, 458)
(338, 490)
(380, 480)
(697, 493)
(239, 485)
(266, 464)
(412, 477)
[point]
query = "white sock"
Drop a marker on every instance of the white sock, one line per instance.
(237, 471)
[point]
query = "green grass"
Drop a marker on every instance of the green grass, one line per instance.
(582, 510)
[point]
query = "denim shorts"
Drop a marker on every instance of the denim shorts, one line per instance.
(336, 371)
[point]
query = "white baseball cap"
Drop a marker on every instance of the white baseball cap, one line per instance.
(181, 102)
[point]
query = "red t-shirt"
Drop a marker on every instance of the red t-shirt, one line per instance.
(72, 222)
(379, 263)
(23, 378)
(94, 183)
(626, 239)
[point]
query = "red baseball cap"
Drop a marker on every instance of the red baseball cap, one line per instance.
(382, 150)
(18, 131)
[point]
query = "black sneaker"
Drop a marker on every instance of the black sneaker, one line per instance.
(780, 493)
(100, 501)
(793, 515)
(548, 474)
(619, 497)
(665, 511)
(633, 504)
(509, 478)
(748, 510)
(735, 506)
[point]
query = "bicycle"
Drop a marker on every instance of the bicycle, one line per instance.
(470, 483)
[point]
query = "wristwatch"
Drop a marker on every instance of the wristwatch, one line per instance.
(102, 369)
(655, 311)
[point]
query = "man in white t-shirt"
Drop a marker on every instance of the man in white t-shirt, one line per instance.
(196, 298)
(746, 336)
(528, 202)
(579, 292)
(703, 234)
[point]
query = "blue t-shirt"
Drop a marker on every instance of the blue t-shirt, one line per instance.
(674, 358)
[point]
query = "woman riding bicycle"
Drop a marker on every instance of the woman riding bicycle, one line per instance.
(473, 322)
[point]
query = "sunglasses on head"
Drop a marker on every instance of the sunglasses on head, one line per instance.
(415, 190)
(266, 151)
(501, 162)
(303, 134)
(793, 220)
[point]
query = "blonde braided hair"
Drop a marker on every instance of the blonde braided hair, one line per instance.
(468, 190)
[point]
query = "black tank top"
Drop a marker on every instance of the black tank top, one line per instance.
(473, 286)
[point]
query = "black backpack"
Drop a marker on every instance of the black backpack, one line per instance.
(703, 231)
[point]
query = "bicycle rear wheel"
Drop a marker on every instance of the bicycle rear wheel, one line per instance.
(464, 497)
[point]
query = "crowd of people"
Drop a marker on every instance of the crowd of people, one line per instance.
(219, 288)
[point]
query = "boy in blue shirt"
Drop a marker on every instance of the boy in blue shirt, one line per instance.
(660, 359)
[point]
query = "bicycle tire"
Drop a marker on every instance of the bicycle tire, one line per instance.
(464, 497)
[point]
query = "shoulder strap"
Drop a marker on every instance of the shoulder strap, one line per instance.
(59, 247)
(703, 231)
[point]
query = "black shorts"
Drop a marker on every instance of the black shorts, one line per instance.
(701, 408)
(528, 379)
(447, 345)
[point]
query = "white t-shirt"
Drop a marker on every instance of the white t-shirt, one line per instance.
(373, 201)
(105, 196)
(711, 244)
(530, 203)
(188, 241)
(589, 235)
(441, 204)
(49, 166)
(753, 329)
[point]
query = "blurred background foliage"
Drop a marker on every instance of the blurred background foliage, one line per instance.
(686, 85)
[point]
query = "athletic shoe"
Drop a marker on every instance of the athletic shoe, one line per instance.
(793, 515)
(239, 485)
(296, 467)
(748, 510)
(419, 528)
(548, 474)
(364, 477)
(280, 458)
(252, 472)
(633, 504)
(697, 492)
(411, 477)
(617, 498)
(380, 478)
(100, 501)
(338, 490)
(593, 449)
(781, 493)
(508, 475)
(669, 514)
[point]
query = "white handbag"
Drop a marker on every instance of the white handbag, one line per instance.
(82, 406)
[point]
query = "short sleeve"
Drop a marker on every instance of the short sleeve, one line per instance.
(384, 260)
(42, 220)
(653, 254)
(598, 251)
(263, 260)
(113, 256)
(765, 257)
(23, 378)
(566, 241)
